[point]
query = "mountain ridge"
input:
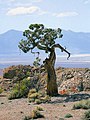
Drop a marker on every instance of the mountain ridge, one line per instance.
(76, 42)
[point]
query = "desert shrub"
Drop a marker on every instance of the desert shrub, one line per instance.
(20, 90)
(34, 95)
(68, 115)
(61, 118)
(39, 108)
(38, 97)
(27, 118)
(21, 71)
(86, 115)
(1, 90)
(36, 114)
(45, 98)
(84, 104)
(32, 91)
(77, 106)
(14, 94)
(37, 101)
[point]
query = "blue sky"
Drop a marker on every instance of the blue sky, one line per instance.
(66, 14)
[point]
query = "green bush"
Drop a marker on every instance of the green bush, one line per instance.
(14, 94)
(20, 90)
(68, 115)
(86, 115)
(1, 90)
(84, 104)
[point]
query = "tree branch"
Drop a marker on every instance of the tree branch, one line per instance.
(62, 49)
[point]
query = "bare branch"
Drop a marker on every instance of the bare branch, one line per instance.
(35, 52)
(62, 49)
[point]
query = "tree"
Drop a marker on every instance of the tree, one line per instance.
(44, 39)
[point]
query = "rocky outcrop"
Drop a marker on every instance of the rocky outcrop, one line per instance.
(78, 78)
(75, 79)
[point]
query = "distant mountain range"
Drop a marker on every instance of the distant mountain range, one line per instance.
(75, 42)
(9, 41)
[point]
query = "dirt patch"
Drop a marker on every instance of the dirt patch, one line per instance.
(58, 107)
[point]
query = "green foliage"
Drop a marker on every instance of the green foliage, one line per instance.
(10, 74)
(84, 104)
(40, 37)
(36, 63)
(14, 94)
(20, 90)
(68, 115)
(86, 115)
(1, 90)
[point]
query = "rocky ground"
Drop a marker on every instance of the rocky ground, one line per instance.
(58, 107)
(67, 78)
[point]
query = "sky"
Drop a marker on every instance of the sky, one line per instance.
(65, 14)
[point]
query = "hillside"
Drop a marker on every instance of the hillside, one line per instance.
(59, 106)
(67, 78)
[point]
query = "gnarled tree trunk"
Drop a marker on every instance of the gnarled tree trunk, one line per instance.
(49, 63)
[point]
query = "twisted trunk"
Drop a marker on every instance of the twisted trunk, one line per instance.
(49, 63)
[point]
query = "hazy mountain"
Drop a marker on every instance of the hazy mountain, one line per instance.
(9, 42)
(75, 42)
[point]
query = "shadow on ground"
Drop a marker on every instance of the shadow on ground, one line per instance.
(70, 98)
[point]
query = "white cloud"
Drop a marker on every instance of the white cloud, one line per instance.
(25, 10)
(65, 14)
(86, 1)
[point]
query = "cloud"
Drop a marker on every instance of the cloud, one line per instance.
(25, 10)
(65, 14)
(86, 1)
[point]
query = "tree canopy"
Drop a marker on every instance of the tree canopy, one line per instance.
(40, 37)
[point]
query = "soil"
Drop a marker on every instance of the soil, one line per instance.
(59, 106)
